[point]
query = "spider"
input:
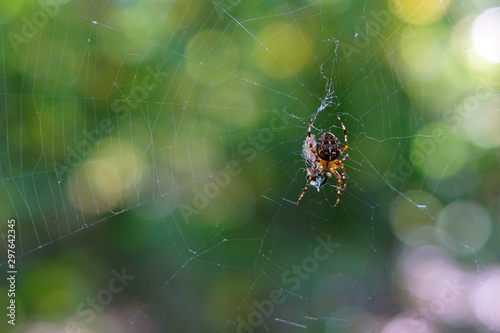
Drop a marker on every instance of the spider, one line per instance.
(322, 159)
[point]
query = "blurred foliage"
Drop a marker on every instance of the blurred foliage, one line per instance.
(164, 138)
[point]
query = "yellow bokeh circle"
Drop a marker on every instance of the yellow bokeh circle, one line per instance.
(412, 217)
(282, 50)
(418, 11)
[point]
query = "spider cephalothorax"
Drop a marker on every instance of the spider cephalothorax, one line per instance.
(322, 164)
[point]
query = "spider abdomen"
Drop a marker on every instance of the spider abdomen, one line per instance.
(328, 147)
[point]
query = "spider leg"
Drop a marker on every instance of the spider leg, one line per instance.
(310, 138)
(310, 126)
(312, 149)
(345, 137)
(339, 164)
(308, 182)
(339, 184)
(343, 175)
(342, 160)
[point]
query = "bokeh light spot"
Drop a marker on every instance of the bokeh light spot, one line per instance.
(285, 50)
(419, 12)
(484, 128)
(410, 223)
(486, 299)
(108, 179)
(464, 226)
(486, 36)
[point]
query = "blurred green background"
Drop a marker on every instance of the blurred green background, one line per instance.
(151, 155)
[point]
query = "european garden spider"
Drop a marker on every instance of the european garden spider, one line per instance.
(322, 159)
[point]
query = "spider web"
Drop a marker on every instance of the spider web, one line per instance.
(165, 140)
